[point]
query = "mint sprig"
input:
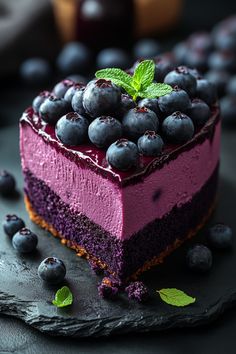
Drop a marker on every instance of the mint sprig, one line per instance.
(63, 297)
(140, 84)
(175, 297)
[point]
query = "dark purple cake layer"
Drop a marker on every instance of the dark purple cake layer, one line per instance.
(122, 257)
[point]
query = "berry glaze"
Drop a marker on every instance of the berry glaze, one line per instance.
(89, 156)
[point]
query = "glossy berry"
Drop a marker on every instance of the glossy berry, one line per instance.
(126, 104)
(176, 100)
(77, 100)
(199, 258)
(72, 129)
(224, 61)
(38, 100)
(25, 241)
(163, 65)
(35, 71)
(101, 97)
(123, 154)
(12, 224)
(7, 183)
(178, 128)
(103, 131)
(218, 78)
(112, 58)
(52, 109)
(71, 91)
(75, 58)
(150, 144)
(182, 78)
(62, 87)
(196, 73)
(199, 112)
(231, 86)
(228, 110)
(146, 49)
(137, 291)
(206, 90)
(220, 236)
(138, 120)
(52, 270)
(150, 103)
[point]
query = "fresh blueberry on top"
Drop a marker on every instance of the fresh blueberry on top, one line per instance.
(112, 58)
(182, 77)
(7, 183)
(74, 58)
(180, 51)
(197, 59)
(101, 97)
(146, 48)
(25, 241)
(228, 110)
(126, 104)
(52, 109)
(150, 144)
(104, 130)
(176, 100)
(199, 258)
(195, 73)
(200, 42)
(77, 100)
(151, 103)
(163, 65)
(12, 224)
(206, 90)
(35, 71)
(199, 112)
(62, 87)
(38, 100)
(220, 236)
(72, 129)
(123, 154)
(219, 79)
(138, 120)
(71, 91)
(52, 270)
(231, 86)
(178, 128)
(222, 61)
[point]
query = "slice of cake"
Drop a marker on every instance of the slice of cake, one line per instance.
(122, 182)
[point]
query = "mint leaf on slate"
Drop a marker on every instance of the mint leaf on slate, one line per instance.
(63, 297)
(176, 297)
(143, 75)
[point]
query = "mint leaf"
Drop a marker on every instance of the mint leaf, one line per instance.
(176, 297)
(63, 297)
(143, 75)
(155, 90)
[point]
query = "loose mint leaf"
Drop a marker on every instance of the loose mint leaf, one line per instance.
(143, 75)
(176, 297)
(63, 297)
(118, 77)
(155, 90)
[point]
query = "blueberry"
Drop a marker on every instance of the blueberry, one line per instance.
(180, 52)
(163, 65)
(126, 104)
(181, 77)
(123, 154)
(104, 130)
(35, 71)
(52, 109)
(195, 73)
(113, 58)
(71, 91)
(151, 103)
(25, 241)
(75, 58)
(200, 42)
(178, 128)
(219, 79)
(150, 144)
(206, 90)
(220, 236)
(222, 61)
(7, 183)
(199, 258)
(52, 270)
(62, 87)
(137, 120)
(231, 86)
(197, 59)
(78, 79)
(72, 129)
(101, 97)
(225, 38)
(12, 224)
(38, 100)
(146, 48)
(199, 112)
(77, 101)
(228, 110)
(176, 100)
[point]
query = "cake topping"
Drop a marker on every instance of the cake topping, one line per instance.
(62, 87)
(12, 224)
(150, 144)
(7, 183)
(123, 154)
(183, 78)
(178, 128)
(25, 241)
(52, 270)
(177, 100)
(52, 109)
(151, 103)
(72, 90)
(39, 100)
(206, 90)
(104, 130)
(77, 100)
(199, 112)
(72, 129)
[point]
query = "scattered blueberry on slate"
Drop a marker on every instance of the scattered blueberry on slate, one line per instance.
(137, 291)
(182, 77)
(150, 144)
(176, 100)
(138, 120)
(228, 110)
(35, 71)
(178, 128)
(101, 97)
(206, 90)
(123, 154)
(71, 91)
(219, 79)
(25, 241)
(127, 103)
(220, 236)
(52, 270)
(146, 49)
(163, 65)
(199, 258)
(103, 131)
(62, 87)
(113, 58)
(12, 224)
(77, 100)
(75, 58)
(7, 183)
(72, 129)
(231, 86)
(38, 100)
(52, 109)
(199, 112)
(151, 103)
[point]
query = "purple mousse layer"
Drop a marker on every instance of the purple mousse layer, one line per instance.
(127, 256)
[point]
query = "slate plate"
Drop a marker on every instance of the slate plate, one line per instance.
(24, 296)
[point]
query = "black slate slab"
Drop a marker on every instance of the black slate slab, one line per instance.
(24, 296)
